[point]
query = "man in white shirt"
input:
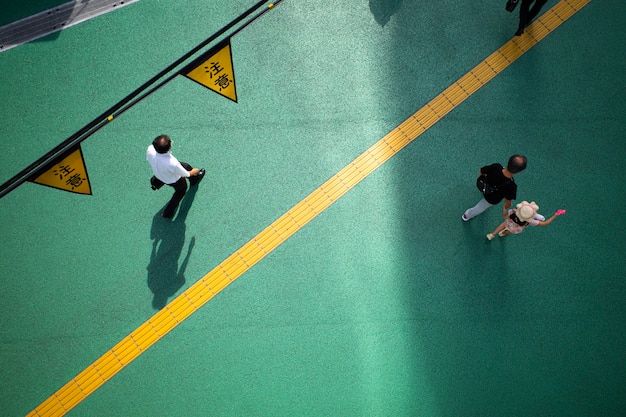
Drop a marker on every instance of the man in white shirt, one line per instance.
(168, 170)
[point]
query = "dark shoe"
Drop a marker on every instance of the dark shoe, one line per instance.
(196, 179)
(519, 32)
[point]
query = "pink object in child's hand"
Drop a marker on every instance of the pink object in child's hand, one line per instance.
(560, 211)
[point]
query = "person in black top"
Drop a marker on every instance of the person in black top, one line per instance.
(499, 185)
(527, 13)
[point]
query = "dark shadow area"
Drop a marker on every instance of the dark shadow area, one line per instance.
(16, 10)
(504, 330)
(485, 276)
(165, 277)
(384, 9)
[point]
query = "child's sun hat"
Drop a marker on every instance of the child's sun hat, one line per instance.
(526, 211)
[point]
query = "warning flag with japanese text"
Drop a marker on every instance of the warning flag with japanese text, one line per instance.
(214, 70)
(67, 173)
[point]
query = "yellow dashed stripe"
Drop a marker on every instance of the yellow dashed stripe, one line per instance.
(289, 223)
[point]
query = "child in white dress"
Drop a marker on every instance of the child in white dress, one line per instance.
(516, 220)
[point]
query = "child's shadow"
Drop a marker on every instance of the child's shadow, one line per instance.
(165, 278)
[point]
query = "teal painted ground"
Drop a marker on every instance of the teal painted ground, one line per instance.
(384, 305)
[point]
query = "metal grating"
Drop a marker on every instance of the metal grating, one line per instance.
(54, 20)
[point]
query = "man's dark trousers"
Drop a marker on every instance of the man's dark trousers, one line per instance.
(527, 13)
(180, 188)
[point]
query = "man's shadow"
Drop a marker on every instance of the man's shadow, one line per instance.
(165, 278)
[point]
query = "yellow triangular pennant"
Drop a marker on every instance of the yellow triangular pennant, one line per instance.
(214, 70)
(69, 174)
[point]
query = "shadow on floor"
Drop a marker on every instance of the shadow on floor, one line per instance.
(165, 277)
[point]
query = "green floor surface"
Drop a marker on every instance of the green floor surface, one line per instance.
(386, 304)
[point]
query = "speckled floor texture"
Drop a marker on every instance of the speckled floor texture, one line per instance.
(386, 303)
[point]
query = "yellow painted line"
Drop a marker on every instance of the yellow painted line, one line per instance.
(129, 348)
